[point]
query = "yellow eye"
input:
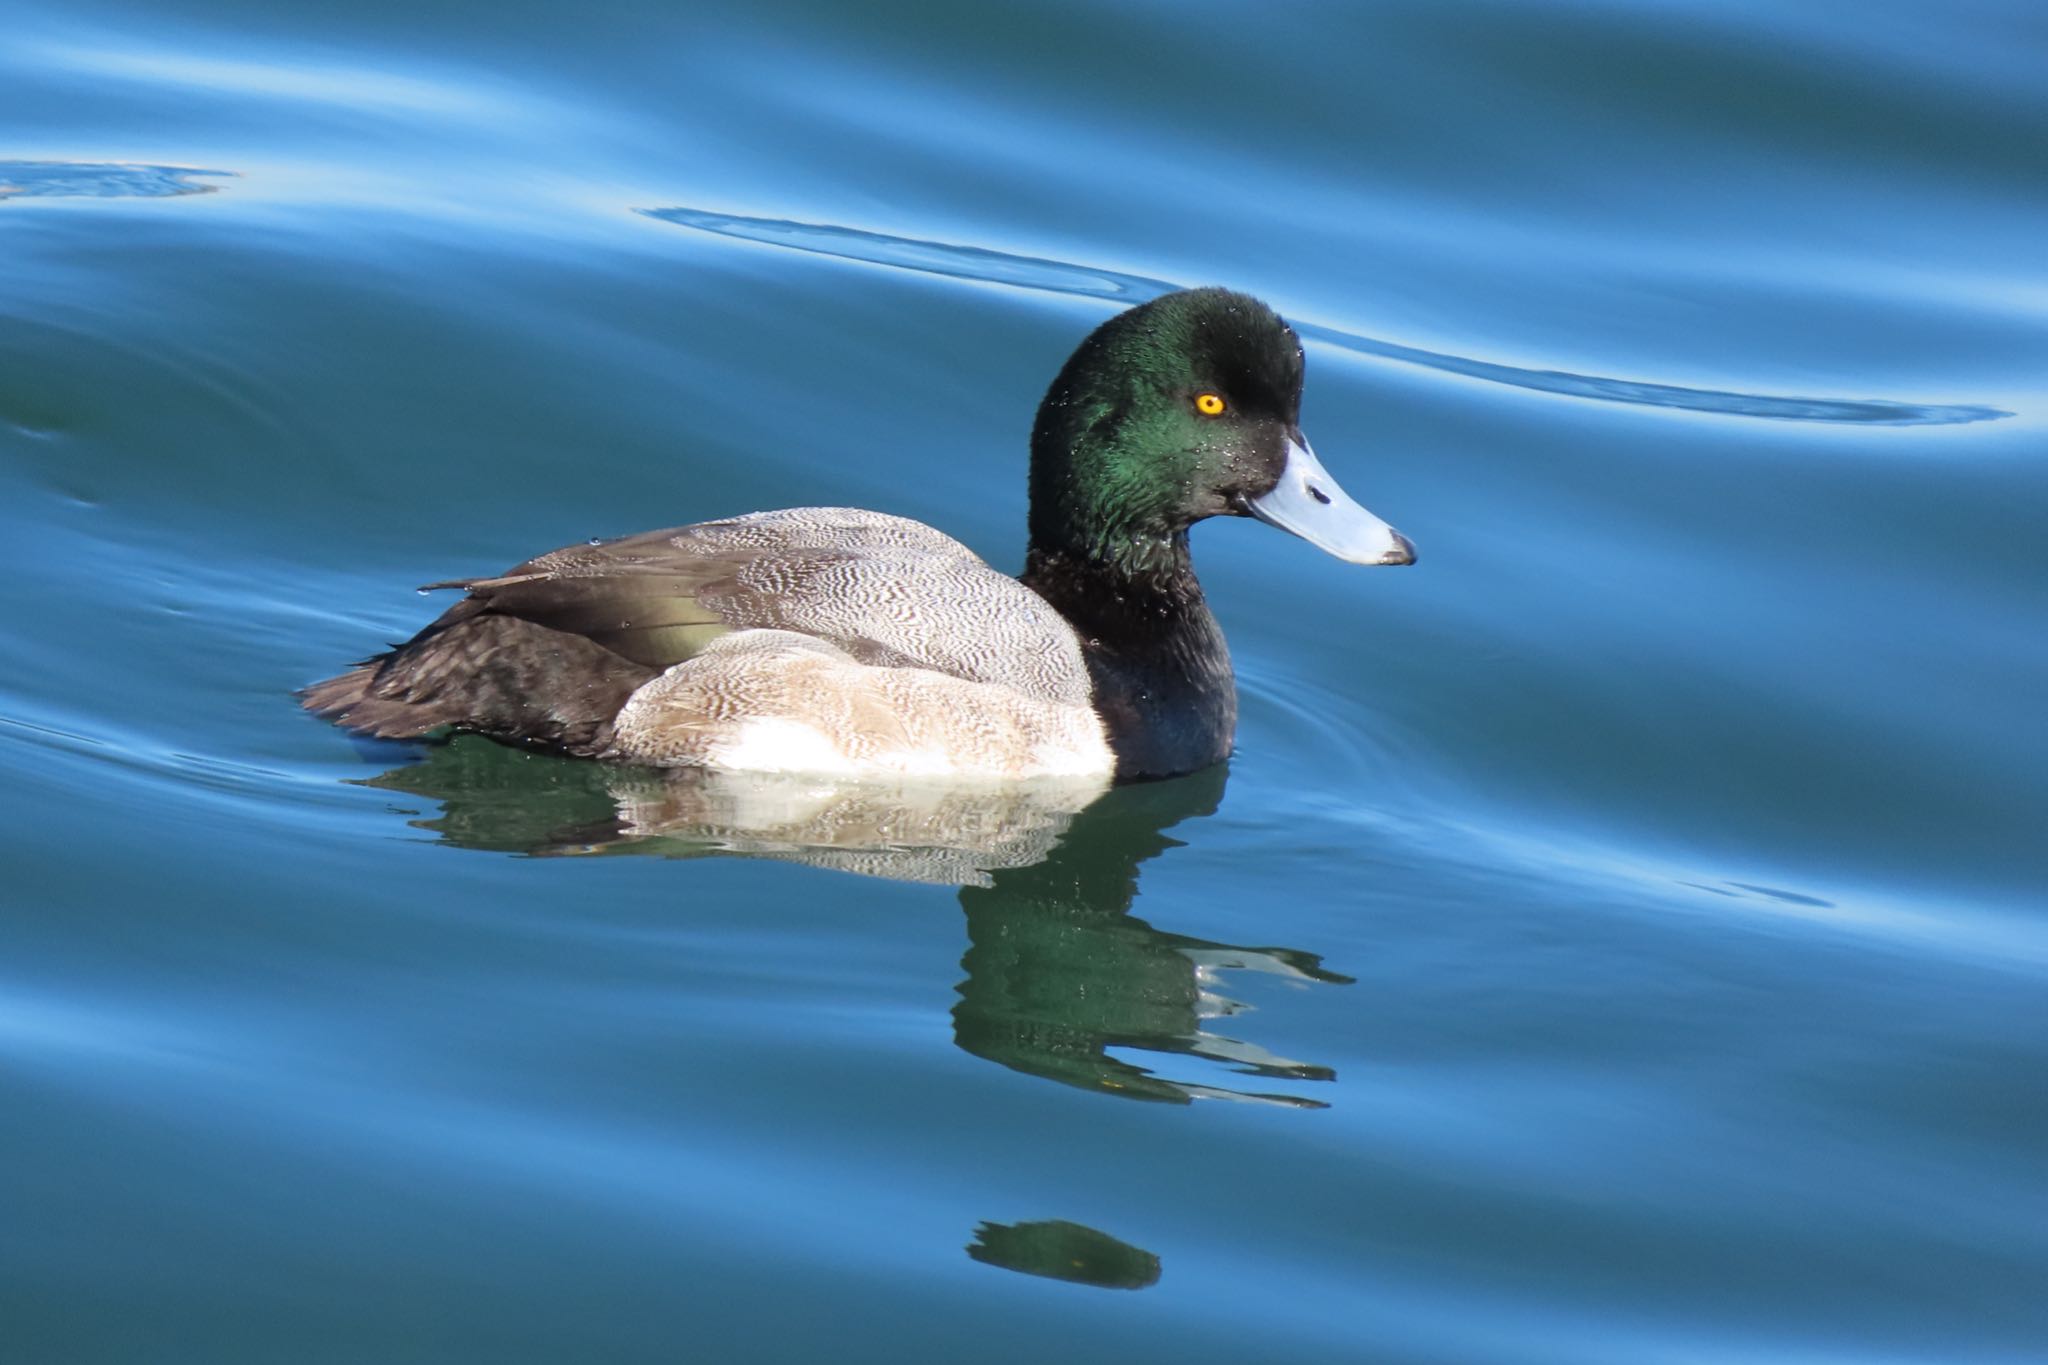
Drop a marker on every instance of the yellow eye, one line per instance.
(1209, 404)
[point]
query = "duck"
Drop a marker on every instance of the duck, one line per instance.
(840, 642)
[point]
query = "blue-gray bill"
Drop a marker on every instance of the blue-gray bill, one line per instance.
(1308, 503)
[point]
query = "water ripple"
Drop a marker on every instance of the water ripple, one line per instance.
(300, 79)
(1061, 277)
(98, 180)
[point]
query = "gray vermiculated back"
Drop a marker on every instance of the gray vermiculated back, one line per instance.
(888, 590)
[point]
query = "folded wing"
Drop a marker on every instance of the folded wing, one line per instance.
(549, 651)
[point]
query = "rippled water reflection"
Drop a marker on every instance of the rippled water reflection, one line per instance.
(1617, 939)
(34, 179)
(1058, 970)
(995, 267)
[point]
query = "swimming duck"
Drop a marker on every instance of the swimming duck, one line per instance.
(844, 642)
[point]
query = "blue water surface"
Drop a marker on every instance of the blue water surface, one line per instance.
(1618, 938)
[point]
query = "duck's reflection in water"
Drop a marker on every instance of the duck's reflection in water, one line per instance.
(1058, 970)
(1059, 1250)
(497, 798)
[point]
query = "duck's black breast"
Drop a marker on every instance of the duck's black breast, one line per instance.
(1161, 671)
(1165, 720)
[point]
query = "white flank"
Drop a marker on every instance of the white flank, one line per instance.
(1091, 759)
(771, 744)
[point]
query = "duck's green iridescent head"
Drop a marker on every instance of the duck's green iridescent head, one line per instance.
(1183, 408)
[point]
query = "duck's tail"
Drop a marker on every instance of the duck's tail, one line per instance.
(347, 701)
(496, 675)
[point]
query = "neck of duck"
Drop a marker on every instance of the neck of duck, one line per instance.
(1163, 683)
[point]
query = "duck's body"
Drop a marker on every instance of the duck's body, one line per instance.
(852, 643)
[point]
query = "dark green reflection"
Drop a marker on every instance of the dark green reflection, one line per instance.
(1060, 1250)
(1059, 972)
